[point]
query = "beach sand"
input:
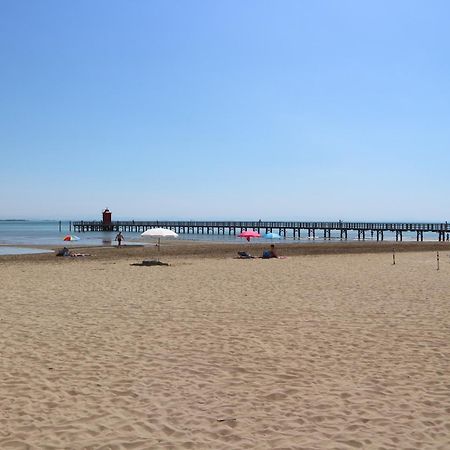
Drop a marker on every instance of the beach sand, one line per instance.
(335, 351)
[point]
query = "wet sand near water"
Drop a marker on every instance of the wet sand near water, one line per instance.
(196, 249)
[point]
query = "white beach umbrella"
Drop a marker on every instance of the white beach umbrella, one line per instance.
(159, 233)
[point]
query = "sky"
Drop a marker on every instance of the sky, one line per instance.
(286, 110)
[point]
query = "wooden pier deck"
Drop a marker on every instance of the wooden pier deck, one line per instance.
(292, 229)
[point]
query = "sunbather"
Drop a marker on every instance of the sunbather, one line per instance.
(245, 255)
(270, 253)
(63, 252)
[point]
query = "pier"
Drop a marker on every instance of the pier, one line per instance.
(293, 229)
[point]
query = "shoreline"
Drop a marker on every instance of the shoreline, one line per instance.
(196, 249)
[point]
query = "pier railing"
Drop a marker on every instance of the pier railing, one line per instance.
(292, 228)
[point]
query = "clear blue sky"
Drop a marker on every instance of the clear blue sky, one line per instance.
(225, 110)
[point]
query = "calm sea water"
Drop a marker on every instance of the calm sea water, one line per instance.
(48, 233)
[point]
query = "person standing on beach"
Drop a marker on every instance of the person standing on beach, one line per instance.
(119, 239)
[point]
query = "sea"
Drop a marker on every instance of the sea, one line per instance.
(16, 235)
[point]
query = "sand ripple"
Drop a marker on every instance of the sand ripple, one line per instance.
(312, 352)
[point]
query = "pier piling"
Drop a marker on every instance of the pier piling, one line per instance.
(285, 229)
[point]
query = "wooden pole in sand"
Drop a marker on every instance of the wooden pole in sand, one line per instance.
(437, 260)
(393, 256)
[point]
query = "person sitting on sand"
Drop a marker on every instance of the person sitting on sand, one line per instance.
(270, 253)
(63, 252)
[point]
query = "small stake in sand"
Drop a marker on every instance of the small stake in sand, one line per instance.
(437, 260)
(393, 256)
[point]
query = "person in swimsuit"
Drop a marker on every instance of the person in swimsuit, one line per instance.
(119, 239)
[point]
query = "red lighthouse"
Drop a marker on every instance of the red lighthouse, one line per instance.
(106, 217)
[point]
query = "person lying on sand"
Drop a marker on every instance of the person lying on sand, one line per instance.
(66, 252)
(245, 255)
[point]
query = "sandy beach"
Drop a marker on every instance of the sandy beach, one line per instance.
(317, 351)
